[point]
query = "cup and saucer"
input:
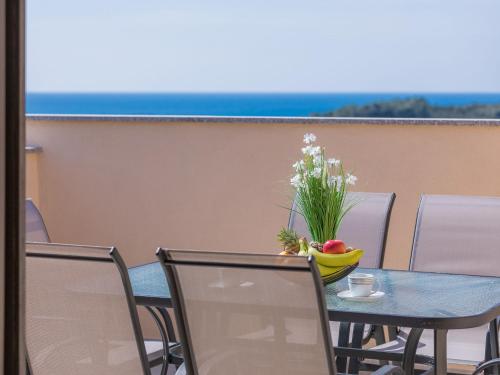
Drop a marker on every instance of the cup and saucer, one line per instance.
(363, 287)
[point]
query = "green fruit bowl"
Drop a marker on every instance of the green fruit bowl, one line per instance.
(339, 275)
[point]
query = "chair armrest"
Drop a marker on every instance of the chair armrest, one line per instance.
(389, 370)
(486, 365)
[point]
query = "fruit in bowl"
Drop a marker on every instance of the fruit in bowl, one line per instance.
(333, 258)
(334, 247)
(290, 241)
(329, 264)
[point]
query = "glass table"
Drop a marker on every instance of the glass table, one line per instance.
(418, 300)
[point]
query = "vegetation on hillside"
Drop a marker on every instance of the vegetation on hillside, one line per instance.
(415, 108)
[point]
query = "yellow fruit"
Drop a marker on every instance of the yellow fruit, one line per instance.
(303, 246)
(336, 260)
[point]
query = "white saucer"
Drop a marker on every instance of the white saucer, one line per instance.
(346, 294)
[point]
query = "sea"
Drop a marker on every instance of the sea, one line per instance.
(227, 104)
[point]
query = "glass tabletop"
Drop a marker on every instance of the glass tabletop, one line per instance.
(412, 299)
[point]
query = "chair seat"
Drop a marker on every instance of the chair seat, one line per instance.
(465, 346)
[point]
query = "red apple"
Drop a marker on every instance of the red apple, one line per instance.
(334, 247)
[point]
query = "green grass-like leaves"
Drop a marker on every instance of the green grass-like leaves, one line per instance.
(321, 197)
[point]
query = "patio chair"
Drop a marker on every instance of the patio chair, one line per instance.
(36, 231)
(365, 226)
(242, 314)
(81, 316)
(460, 235)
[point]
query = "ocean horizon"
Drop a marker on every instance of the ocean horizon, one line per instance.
(228, 104)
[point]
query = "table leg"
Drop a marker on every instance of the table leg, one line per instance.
(440, 352)
(494, 349)
(494, 339)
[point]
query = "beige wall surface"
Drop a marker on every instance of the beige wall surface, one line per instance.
(221, 186)
(32, 175)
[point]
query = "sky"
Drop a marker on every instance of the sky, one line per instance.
(263, 46)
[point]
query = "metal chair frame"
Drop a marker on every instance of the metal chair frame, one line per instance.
(160, 316)
(491, 366)
(491, 340)
(114, 257)
(358, 338)
(169, 266)
(39, 217)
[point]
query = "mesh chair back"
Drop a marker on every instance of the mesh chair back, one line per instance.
(241, 314)
(80, 315)
(35, 227)
(457, 234)
(364, 226)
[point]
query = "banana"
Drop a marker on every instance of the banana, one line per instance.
(303, 244)
(336, 260)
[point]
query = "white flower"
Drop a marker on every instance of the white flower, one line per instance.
(296, 181)
(298, 165)
(318, 160)
(316, 172)
(334, 180)
(307, 150)
(333, 162)
(311, 150)
(309, 138)
(350, 179)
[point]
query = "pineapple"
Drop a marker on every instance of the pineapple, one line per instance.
(290, 241)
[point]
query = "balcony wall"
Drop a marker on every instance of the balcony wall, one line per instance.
(139, 183)
(32, 172)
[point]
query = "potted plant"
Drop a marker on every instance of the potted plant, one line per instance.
(321, 185)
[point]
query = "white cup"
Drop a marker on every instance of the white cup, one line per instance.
(361, 284)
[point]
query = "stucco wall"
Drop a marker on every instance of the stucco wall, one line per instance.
(32, 173)
(142, 184)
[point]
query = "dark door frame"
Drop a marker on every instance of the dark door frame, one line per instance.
(14, 115)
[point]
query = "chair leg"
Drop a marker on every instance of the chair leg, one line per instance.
(344, 333)
(495, 363)
(164, 339)
(393, 333)
(357, 342)
(379, 336)
(168, 323)
(411, 350)
(371, 334)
